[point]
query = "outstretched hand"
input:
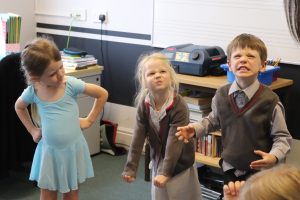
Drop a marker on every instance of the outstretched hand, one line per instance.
(185, 133)
(128, 179)
(232, 189)
(267, 161)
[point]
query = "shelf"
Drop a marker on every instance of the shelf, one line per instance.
(214, 82)
(211, 161)
(217, 133)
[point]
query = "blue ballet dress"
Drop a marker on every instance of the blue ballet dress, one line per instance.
(62, 159)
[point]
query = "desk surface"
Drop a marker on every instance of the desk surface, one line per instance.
(214, 82)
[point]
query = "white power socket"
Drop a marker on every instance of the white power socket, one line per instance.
(78, 15)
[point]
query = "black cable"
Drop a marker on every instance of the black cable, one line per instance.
(102, 56)
(101, 43)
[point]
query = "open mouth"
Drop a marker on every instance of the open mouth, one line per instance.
(242, 68)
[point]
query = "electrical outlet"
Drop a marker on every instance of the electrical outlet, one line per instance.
(97, 14)
(78, 15)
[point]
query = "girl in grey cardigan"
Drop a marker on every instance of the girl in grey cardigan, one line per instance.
(160, 110)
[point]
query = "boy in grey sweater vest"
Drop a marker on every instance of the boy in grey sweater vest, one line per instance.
(250, 115)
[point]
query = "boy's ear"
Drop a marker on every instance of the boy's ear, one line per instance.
(229, 65)
(263, 67)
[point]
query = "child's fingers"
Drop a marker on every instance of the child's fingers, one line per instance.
(178, 134)
(226, 189)
(232, 189)
(186, 141)
(128, 179)
(180, 137)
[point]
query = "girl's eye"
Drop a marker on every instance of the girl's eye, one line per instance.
(150, 74)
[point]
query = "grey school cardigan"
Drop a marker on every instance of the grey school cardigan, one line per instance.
(164, 145)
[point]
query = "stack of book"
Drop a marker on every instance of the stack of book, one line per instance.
(77, 62)
(10, 29)
(199, 107)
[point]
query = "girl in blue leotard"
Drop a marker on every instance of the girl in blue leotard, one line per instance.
(62, 159)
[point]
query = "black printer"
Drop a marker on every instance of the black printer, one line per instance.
(195, 59)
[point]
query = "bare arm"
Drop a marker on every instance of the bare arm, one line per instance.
(100, 95)
(23, 114)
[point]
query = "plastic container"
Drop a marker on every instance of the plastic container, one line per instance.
(266, 77)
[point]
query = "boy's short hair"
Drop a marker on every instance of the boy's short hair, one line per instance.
(246, 40)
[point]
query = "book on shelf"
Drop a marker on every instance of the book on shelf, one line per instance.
(197, 115)
(197, 100)
(198, 103)
(199, 108)
(210, 145)
(76, 61)
(75, 58)
(12, 25)
(79, 65)
(10, 33)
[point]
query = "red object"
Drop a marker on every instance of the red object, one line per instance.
(115, 127)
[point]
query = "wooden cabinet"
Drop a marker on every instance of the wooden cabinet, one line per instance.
(85, 103)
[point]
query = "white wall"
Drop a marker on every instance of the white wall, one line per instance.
(217, 22)
(26, 10)
(131, 16)
(124, 116)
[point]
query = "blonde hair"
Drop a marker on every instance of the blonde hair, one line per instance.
(278, 183)
(248, 41)
(140, 74)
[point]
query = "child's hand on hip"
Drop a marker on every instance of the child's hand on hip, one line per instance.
(267, 161)
(36, 134)
(85, 123)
